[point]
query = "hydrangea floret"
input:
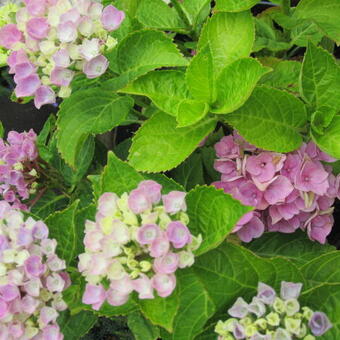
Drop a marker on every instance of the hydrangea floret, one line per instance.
(272, 317)
(18, 167)
(137, 243)
(51, 40)
(289, 191)
(32, 278)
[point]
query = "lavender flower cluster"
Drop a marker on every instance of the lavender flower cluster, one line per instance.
(17, 167)
(136, 244)
(31, 278)
(269, 317)
(50, 40)
(289, 191)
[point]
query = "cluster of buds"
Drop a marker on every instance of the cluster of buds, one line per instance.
(269, 317)
(136, 244)
(18, 167)
(289, 191)
(51, 40)
(31, 278)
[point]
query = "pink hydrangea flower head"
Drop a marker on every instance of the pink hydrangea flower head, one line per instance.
(62, 58)
(9, 35)
(136, 245)
(261, 166)
(44, 95)
(94, 295)
(36, 8)
(27, 86)
(61, 76)
(227, 148)
(112, 18)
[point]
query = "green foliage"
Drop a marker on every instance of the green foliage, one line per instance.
(142, 328)
(87, 112)
(213, 214)
(325, 14)
(62, 226)
(159, 145)
(234, 5)
(271, 119)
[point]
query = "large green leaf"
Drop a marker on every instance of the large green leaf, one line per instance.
(75, 326)
(236, 83)
(234, 5)
(271, 119)
(62, 227)
(91, 111)
(191, 111)
(133, 58)
(167, 89)
(157, 14)
(200, 76)
(320, 78)
(329, 141)
(325, 13)
(119, 176)
(159, 145)
(230, 37)
(213, 214)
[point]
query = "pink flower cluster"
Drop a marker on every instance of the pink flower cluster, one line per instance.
(136, 244)
(289, 191)
(51, 40)
(31, 279)
(17, 167)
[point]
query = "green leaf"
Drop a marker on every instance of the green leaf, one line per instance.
(190, 172)
(195, 12)
(49, 203)
(119, 176)
(157, 14)
(322, 118)
(329, 141)
(213, 214)
(236, 83)
(270, 119)
(159, 145)
(167, 89)
(295, 247)
(200, 76)
(73, 327)
(161, 311)
(305, 31)
(320, 78)
(234, 5)
(62, 227)
(285, 74)
(167, 183)
(325, 13)
(135, 60)
(142, 328)
(87, 112)
(230, 37)
(191, 111)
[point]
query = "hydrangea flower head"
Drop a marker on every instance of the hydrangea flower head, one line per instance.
(49, 42)
(272, 317)
(137, 243)
(32, 278)
(289, 191)
(18, 163)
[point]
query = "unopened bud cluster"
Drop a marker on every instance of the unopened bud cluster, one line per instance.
(137, 243)
(31, 278)
(17, 167)
(51, 40)
(269, 317)
(289, 191)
